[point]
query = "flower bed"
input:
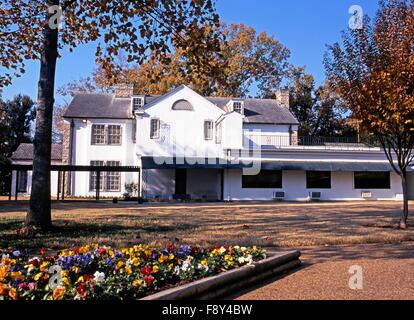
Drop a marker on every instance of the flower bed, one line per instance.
(97, 272)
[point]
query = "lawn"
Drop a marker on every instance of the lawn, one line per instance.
(290, 225)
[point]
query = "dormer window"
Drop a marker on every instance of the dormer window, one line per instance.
(137, 103)
(238, 107)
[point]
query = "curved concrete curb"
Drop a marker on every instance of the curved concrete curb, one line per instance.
(230, 282)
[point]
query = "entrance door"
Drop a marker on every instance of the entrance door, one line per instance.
(181, 182)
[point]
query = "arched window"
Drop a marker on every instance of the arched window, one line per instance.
(182, 105)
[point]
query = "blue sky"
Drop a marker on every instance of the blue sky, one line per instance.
(304, 26)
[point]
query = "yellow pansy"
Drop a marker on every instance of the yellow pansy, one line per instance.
(128, 270)
(135, 261)
(162, 258)
(43, 266)
(75, 269)
(119, 265)
(137, 283)
(204, 263)
(170, 266)
(64, 273)
(17, 275)
(155, 269)
(171, 257)
(228, 257)
(38, 276)
(66, 281)
(80, 280)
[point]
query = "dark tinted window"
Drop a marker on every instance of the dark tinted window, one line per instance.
(266, 179)
(372, 180)
(318, 179)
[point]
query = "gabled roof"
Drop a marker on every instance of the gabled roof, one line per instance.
(101, 105)
(107, 106)
(25, 152)
(260, 111)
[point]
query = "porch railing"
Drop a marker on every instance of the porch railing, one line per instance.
(274, 141)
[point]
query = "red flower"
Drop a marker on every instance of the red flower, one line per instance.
(146, 270)
(81, 290)
(102, 251)
(171, 247)
(149, 280)
(42, 251)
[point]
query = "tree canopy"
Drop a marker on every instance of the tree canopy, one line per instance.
(34, 30)
(373, 72)
(245, 58)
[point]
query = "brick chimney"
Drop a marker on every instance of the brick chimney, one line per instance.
(282, 97)
(124, 90)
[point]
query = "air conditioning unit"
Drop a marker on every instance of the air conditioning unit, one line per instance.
(366, 195)
(279, 196)
(315, 196)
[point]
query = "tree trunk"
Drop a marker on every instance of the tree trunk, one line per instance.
(39, 214)
(404, 217)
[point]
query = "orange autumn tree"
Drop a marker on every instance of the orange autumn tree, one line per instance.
(373, 72)
(246, 57)
(33, 30)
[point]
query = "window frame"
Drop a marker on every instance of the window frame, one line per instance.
(112, 175)
(265, 173)
(93, 175)
(108, 135)
(357, 187)
(154, 136)
(208, 132)
(105, 176)
(241, 107)
(140, 105)
(309, 187)
(93, 135)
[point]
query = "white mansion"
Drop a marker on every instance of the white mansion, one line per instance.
(205, 148)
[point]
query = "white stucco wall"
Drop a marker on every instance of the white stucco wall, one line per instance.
(182, 132)
(53, 184)
(84, 152)
(294, 186)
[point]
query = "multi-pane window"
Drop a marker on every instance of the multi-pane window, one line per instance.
(106, 135)
(238, 107)
(155, 129)
(372, 180)
(114, 135)
(137, 103)
(266, 179)
(109, 181)
(318, 180)
(98, 134)
(94, 175)
(113, 179)
(208, 130)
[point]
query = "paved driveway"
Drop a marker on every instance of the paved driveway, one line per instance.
(387, 274)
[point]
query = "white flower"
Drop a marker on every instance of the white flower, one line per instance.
(222, 250)
(99, 276)
(16, 253)
(241, 260)
(236, 247)
(177, 270)
(243, 249)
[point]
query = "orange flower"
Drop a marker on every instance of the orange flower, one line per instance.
(13, 293)
(58, 293)
(3, 289)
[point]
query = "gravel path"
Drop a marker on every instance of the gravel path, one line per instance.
(388, 274)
